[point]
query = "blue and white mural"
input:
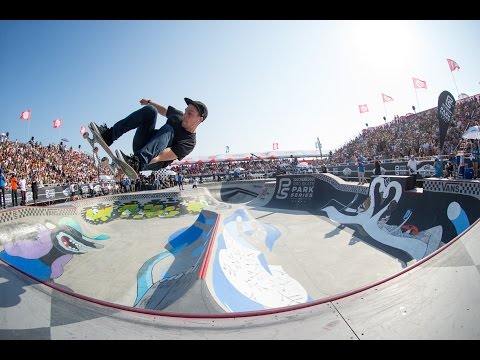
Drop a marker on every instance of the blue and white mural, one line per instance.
(242, 278)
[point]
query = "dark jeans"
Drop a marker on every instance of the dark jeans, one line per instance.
(2, 196)
(148, 142)
(14, 198)
(24, 198)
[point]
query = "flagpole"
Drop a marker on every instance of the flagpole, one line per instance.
(384, 108)
(416, 95)
(453, 77)
(28, 126)
(61, 121)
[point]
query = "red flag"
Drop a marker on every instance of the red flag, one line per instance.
(275, 146)
(82, 129)
(363, 108)
(419, 84)
(57, 123)
(386, 98)
(25, 115)
(453, 65)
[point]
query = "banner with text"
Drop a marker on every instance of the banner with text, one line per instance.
(446, 105)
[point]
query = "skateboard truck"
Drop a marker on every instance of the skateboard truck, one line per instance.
(117, 162)
(104, 161)
(113, 167)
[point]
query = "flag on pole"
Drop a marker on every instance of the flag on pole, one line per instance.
(453, 65)
(25, 115)
(386, 98)
(227, 149)
(57, 123)
(419, 84)
(275, 146)
(363, 108)
(82, 129)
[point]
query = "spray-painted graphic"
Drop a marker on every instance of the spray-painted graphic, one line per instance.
(102, 213)
(137, 211)
(457, 216)
(375, 214)
(98, 214)
(162, 280)
(43, 250)
(242, 278)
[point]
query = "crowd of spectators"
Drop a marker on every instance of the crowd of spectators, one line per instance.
(52, 164)
(416, 134)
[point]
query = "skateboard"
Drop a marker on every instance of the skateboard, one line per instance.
(117, 163)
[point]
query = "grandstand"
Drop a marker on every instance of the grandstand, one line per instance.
(391, 143)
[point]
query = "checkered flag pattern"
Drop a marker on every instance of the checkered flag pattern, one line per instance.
(163, 174)
(470, 188)
(20, 213)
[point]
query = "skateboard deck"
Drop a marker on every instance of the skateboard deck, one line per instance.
(117, 163)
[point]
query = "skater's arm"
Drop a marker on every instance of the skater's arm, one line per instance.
(165, 155)
(160, 109)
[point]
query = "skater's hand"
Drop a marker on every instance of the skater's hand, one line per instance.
(144, 101)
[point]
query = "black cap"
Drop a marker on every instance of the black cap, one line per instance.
(201, 107)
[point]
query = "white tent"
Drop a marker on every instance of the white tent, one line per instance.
(302, 165)
(472, 133)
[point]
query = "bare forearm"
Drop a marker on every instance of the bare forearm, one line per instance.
(160, 109)
(165, 155)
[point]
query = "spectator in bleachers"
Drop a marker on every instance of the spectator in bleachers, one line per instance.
(180, 181)
(23, 190)
(377, 168)
(34, 189)
(437, 164)
(361, 170)
(412, 167)
(3, 181)
(14, 186)
(475, 158)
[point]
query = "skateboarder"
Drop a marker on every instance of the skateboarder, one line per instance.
(154, 149)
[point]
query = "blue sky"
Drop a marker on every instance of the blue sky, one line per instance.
(264, 82)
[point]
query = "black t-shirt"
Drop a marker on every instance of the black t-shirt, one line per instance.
(183, 141)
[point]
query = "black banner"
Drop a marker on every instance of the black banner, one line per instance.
(446, 105)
